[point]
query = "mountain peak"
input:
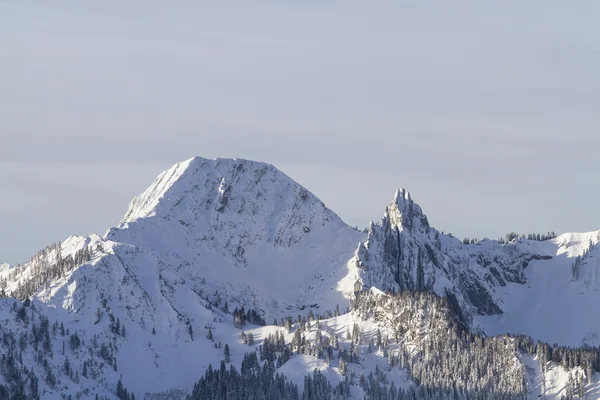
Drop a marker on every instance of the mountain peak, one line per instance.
(240, 226)
(224, 199)
(405, 213)
(146, 204)
(171, 186)
(401, 194)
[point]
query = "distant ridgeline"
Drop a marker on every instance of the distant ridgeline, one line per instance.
(540, 237)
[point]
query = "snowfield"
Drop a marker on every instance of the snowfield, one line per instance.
(552, 306)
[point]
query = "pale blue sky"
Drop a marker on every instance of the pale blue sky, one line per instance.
(487, 112)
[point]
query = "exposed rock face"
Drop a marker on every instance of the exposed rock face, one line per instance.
(403, 252)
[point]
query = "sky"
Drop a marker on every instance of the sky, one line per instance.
(487, 112)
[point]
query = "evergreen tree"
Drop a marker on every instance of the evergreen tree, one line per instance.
(227, 354)
(120, 388)
(342, 367)
(67, 367)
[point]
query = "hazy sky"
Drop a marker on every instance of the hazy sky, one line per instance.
(487, 112)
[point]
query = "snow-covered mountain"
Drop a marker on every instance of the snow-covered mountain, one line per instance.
(214, 248)
(231, 228)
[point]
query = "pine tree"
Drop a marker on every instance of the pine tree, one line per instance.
(227, 354)
(343, 367)
(67, 367)
(120, 390)
(209, 335)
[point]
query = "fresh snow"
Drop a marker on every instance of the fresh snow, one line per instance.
(555, 380)
(239, 226)
(553, 307)
(224, 230)
(210, 232)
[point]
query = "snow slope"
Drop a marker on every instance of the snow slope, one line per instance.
(45, 258)
(552, 384)
(552, 306)
(236, 227)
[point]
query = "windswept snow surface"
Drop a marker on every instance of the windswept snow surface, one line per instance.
(553, 306)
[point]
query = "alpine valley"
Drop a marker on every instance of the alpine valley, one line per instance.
(228, 280)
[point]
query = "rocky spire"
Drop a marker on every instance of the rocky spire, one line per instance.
(405, 214)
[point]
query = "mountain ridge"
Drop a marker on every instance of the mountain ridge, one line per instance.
(241, 206)
(217, 248)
